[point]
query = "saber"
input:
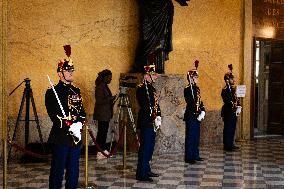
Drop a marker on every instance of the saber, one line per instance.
(57, 98)
(191, 83)
(151, 108)
(148, 95)
(66, 121)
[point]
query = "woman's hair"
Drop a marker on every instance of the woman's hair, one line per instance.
(102, 75)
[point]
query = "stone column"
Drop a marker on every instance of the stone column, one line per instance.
(246, 127)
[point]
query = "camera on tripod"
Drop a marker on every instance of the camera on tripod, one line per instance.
(126, 82)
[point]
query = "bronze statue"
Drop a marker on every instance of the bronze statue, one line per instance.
(156, 18)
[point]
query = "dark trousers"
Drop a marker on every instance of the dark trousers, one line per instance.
(229, 131)
(192, 139)
(64, 157)
(102, 134)
(146, 149)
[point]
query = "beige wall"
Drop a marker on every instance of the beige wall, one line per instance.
(209, 32)
(104, 34)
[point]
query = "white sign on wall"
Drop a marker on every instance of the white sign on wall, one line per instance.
(241, 90)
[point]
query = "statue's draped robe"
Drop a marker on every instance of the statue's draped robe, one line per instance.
(156, 33)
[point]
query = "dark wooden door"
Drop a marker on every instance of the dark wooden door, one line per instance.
(276, 89)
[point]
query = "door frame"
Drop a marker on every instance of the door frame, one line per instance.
(253, 83)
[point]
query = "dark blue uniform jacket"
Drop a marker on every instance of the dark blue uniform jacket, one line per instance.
(144, 115)
(71, 101)
(194, 105)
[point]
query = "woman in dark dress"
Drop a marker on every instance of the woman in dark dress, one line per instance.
(103, 110)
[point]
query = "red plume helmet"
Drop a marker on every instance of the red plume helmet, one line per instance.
(67, 49)
(149, 69)
(66, 64)
(196, 64)
(229, 75)
(230, 66)
(193, 72)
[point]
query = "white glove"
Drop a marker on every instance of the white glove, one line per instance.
(201, 116)
(238, 111)
(158, 122)
(75, 130)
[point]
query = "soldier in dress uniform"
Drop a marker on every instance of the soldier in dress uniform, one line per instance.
(230, 110)
(68, 119)
(149, 120)
(193, 115)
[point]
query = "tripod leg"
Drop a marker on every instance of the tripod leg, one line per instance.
(116, 122)
(37, 120)
(27, 116)
(17, 122)
(114, 129)
(112, 136)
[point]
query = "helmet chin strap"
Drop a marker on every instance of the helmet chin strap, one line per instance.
(191, 81)
(65, 78)
(228, 84)
(151, 78)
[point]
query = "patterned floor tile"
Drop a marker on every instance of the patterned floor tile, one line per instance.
(258, 164)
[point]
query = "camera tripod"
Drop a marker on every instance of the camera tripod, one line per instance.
(122, 118)
(28, 97)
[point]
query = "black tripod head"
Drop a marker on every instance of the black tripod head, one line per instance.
(122, 90)
(126, 82)
(28, 83)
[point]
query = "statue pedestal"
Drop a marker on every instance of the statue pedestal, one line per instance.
(170, 138)
(171, 135)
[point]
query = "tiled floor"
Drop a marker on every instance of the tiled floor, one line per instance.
(259, 164)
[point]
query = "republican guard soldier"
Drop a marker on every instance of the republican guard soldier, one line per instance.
(194, 113)
(64, 106)
(230, 110)
(149, 120)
